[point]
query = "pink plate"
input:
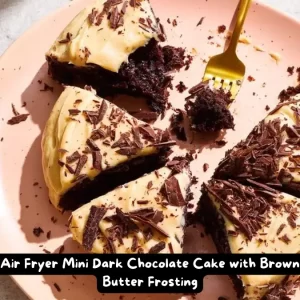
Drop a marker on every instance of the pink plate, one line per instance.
(23, 195)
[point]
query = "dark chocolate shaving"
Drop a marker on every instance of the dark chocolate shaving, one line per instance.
(157, 248)
(146, 116)
(74, 112)
(73, 157)
(92, 145)
(173, 192)
(150, 223)
(171, 248)
(82, 161)
(97, 160)
(127, 151)
(91, 229)
(17, 119)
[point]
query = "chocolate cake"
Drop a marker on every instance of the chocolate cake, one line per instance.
(113, 46)
(258, 219)
(208, 109)
(144, 216)
(271, 152)
(90, 146)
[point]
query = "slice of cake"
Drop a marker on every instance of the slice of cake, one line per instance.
(91, 146)
(252, 220)
(271, 153)
(207, 109)
(113, 46)
(143, 216)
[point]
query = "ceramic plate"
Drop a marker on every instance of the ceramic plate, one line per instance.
(23, 196)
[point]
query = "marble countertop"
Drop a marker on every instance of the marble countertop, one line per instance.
(18, 15)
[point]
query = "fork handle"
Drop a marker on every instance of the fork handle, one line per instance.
(241, 16)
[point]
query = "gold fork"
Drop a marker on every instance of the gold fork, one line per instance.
(226, 70)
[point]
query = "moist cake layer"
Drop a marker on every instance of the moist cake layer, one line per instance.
(106, 33)
(143, 216)
(208, 109)
(251, 220)
(271, 152)
(113, 46)
(87, 136)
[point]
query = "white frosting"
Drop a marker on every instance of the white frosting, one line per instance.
(71, 133)
(266, 240)
(125, 198)
(102, 45)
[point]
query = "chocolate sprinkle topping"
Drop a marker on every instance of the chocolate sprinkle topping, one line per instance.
(97, 160)
(134, 246)
(82, 161)
(173, 192)
(74, 112)
(92, 145)
(72, 158)
(91, 229)
(285, 239)
(281, 227)
(171, 248)
(157, 248)
(252, 204)
(142, 201)
(150, 223)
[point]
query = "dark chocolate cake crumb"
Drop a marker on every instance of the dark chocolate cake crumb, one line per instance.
(251, 78)
(17, 119)
(291, 91)
(46, 251)
(290, 70)
(267, 108)
(48, 235)
(221, 143)
(221, 29)
(53, 220)
(188, 61)
(209, 112)
(57, 287)
(174, 23)
(37, 231)
(2, 139)
(177, 126)
(181, 87)
(205, 167)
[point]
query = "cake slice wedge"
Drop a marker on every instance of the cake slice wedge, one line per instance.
(90, 146)
(244, 219)
(114, 47)
(144, 216)
(271, 152)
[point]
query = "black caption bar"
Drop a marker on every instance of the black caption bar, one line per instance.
(149, 273)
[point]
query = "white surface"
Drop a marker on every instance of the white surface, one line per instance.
(15, 17)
